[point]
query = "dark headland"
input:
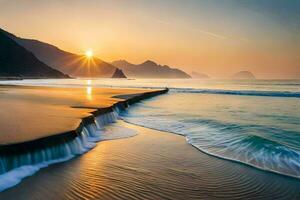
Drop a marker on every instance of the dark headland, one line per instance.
(76, 65)
(118, 74)
(69, 63)
(17, 62)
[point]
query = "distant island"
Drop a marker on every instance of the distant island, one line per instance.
(197, 75)
(17, 62)
(244, 75)
(149, 69)
(118, 74)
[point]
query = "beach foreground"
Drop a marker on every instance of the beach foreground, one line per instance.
(152, 165)
(28, 113)
(41, 126)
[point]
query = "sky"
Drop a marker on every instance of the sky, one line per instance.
(216, 37)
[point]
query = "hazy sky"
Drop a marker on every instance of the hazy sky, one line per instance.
(217, 37)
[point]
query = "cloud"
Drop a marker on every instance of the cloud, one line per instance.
(203, 32)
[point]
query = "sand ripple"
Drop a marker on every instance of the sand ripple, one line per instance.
(152, 165)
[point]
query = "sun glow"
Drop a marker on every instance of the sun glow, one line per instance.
(89, 53)
(89, 93)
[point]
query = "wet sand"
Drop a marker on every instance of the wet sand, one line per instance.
(28, 113)
(152, 165)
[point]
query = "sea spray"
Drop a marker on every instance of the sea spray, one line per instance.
(21, 160)
(259, 131)
(18, 165)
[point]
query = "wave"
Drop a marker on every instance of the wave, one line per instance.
(269, 149)
(258, 151)
(16, 165)
(291, 91)
(24, 159)
(239, 92)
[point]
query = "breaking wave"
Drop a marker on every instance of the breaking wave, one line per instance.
(264, 135)
(14, 166)
(239, 92)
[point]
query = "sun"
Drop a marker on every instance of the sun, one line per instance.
(89, 53)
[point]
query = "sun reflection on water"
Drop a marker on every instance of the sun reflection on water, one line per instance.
(89, 90)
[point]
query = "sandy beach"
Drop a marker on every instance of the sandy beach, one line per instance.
(28, 113)
(41, 126)
(152, 165)
(150, 100)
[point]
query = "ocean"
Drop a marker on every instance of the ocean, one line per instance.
(252, 122)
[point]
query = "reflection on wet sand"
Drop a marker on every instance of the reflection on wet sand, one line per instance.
(152, 165)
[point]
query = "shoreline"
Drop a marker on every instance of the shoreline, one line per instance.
(152, 165)
(222, 158)
(30, 113)
(122, 105)
(155, 164)
(20, 160)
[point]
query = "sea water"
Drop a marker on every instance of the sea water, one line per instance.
(254, 122)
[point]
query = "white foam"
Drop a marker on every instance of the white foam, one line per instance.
(15, 176)
(14, 169)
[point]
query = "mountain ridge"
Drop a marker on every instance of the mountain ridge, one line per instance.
(69, 63)
(243, 75)
(16, 61)
(197, 75)
(79, 66)
(149, 69)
